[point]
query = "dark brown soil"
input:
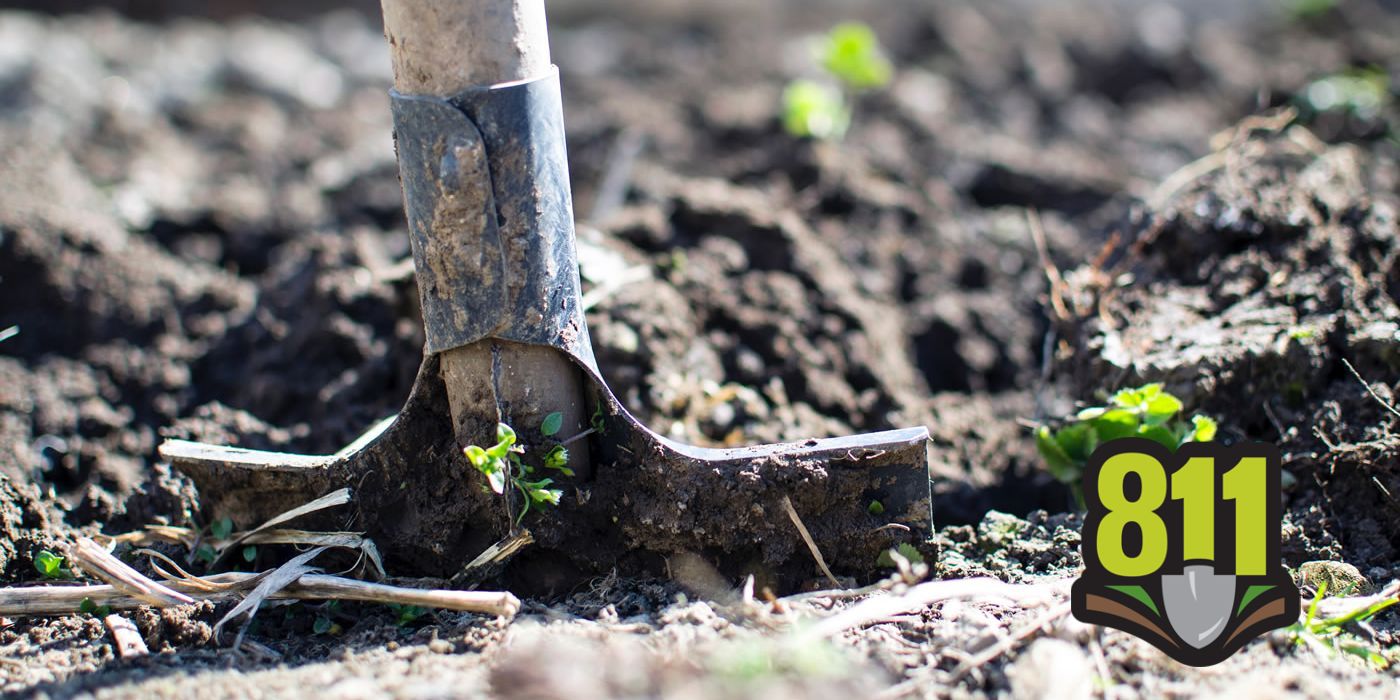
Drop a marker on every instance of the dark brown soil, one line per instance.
(201, 236)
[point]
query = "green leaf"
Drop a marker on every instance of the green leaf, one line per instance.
(876, 508)
(476, 456)
(1078, 441)
(322, 625)
(505, 435)
(1061, 466)
(557, 458)
(1162, 408)
(222, 528)
(1136, 398)
(852, 53)
(1113, 425)
(87, 606)
(811, 109)
(250, 553)
(497, 479)
(206, 554)
(50, 565)
(552, 424)
(1160, 435)
(499, 450)
(1203, 429)
(550, 496)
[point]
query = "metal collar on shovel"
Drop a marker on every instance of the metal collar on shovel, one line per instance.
(486, 189)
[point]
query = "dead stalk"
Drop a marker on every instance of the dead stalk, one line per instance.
(66, 600)
(811, 543)
(100, 563)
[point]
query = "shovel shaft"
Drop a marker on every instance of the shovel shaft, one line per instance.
(440, 48)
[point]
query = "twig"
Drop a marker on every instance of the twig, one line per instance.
(1385, 404)
(494, 556)
(1052, 273)
(65, 600)
(128, 639)
(8, 333)
(100, 563)
(811, 544)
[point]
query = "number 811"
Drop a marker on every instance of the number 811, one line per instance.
(1134, 499)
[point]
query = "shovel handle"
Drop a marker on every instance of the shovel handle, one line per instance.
(442, 47)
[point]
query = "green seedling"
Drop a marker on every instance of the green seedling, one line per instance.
(324, 623)
(221, 529)
(906, 550)
(90, 607)
(502, 466)
(406, 615)
(815, 110)
(851, 52)
(1330, 635)
(50, 566)
(1145, 412)
(852, 60)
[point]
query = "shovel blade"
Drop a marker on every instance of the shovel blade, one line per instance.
(1198, 603)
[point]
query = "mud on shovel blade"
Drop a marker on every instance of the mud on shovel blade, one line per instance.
(1198, 602)
(486, 190)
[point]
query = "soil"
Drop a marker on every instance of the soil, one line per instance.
(201, 235)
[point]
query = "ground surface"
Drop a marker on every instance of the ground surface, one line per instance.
(201, 234)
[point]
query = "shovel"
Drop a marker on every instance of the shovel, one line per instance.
(1198, 602)
(478, 126)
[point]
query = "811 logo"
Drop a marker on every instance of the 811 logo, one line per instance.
(1182, 549)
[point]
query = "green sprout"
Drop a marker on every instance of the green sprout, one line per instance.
(906, 550)
(90, 607)
(1145, 412)
(502, 466)
(50, 566)
(1329, 635)
(852, 60)
(852, 53)
(816, 110)
(405, 615)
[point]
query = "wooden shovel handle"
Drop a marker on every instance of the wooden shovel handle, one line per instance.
(441, 47)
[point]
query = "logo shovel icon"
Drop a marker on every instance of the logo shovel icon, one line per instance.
(1198, 602)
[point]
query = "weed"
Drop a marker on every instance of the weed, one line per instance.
(90, 607)
(852, 60)
(502, 466)
(50, 566)
(1146, 412)
(1329, 635)
(817, 110)
(851, 52)
(906, 550)
(406, 615)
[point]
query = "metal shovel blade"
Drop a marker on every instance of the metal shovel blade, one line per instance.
(1198, 603)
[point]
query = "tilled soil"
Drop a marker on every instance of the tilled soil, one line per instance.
(201, 235)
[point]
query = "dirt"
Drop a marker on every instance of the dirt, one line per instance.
(201, 235)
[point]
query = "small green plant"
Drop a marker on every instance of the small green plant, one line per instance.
(813, 109)
(852, 60)
(406, 615)
(1329, 635)
(51, 566)
(1145, 412)
(502, 466)
(90, 607)
(906, 550)
(852, 53)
